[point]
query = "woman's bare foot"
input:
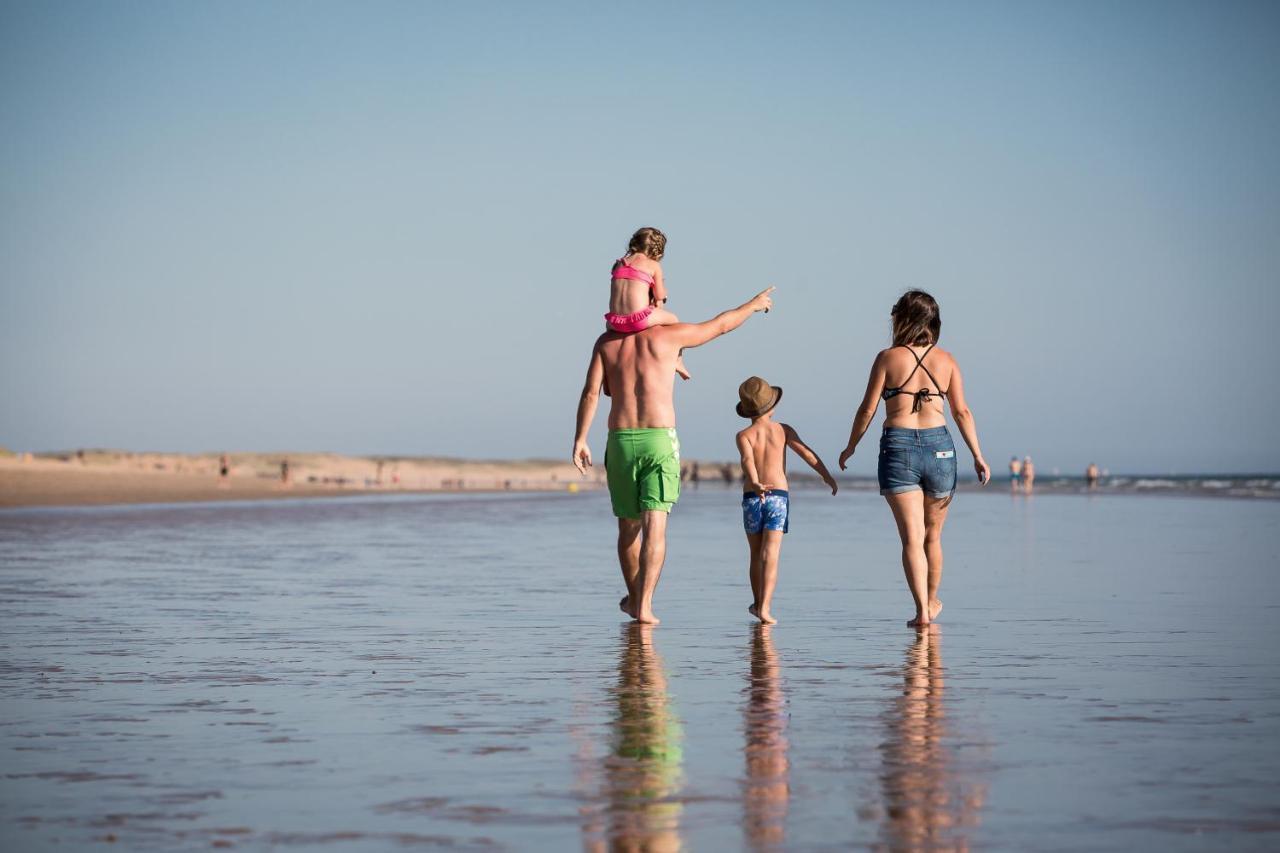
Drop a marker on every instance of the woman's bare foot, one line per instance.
(767, 618)
(647, 618)
(935, 608)
(624, 604)
(752, 610)
(918, 622)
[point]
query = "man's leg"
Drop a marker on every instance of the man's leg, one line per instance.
(653, 553)
(629, 561)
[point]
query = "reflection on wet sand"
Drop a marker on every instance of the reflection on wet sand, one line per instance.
(929, 803)
(642, 775)
(765, 717)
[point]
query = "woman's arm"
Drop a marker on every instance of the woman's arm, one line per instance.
(866, 411)
(811, 459)
(749, 472)
(964, 422)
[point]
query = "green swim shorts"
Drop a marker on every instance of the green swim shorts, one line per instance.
(643, 470)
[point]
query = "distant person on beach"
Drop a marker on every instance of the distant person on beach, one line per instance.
(917, 467)
(1015, 473)
(1028, 474)
(766, 502)
(642, 452)
(284, 472)
(1091, 476)
(224, 471)
(637, 291)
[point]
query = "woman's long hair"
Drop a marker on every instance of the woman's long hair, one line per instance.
(916, 320)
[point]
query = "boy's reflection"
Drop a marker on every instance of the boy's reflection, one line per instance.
(930, 804)
(642, 772)
(765, 719)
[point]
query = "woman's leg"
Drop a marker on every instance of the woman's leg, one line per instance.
(908, 512)
(663, 317)
(935, 515)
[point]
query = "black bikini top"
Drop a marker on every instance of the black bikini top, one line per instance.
(923, 395)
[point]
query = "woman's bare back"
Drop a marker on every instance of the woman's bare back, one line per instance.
(899, 362)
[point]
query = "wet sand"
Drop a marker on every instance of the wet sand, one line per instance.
(451, 671)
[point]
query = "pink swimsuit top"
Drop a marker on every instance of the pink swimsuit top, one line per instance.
(621, 269)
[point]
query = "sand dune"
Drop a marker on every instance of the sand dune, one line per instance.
(106, 476)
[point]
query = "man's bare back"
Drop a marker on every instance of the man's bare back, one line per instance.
(639, 371)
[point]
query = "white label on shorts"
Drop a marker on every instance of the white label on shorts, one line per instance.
(945, 454)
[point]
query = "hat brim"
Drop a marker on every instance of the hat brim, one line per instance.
(744, 412)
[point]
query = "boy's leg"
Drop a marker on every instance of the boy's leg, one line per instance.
(629, 561)
(753, 571)
(770, 547)
(935, 515)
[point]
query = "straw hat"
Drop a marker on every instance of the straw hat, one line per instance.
(756, 397)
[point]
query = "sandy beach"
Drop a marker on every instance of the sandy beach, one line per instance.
(120, 477)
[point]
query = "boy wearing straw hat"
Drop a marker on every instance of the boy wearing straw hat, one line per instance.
(766, 503)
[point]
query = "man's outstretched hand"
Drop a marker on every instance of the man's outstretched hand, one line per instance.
(582, 457)
(763, 300)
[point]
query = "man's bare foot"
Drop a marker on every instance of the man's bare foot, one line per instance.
(918, 622)
(935, 608)
(624, 604)
(647, 618)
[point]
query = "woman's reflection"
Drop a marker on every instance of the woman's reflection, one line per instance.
(642, 772)
(929, 803)
(765, 724)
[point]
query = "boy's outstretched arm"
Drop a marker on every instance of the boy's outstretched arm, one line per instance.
(587, 410)
(812, 459)
(749, 473)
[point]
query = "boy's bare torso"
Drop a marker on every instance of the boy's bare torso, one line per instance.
(768, 443)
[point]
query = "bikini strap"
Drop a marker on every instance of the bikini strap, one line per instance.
(920, 363)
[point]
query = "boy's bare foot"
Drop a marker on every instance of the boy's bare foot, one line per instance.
(647, 618)
(767, 618)
(624, 604)
(935, 608)
(918, 622)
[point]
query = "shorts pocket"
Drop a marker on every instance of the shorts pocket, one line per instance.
(669, 486)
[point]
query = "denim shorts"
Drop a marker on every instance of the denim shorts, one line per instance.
(917, 459)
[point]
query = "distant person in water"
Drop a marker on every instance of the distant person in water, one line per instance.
(1015, 473)
(637, 292)
(642, 452)
(224, 471)
(1028, 474)
(766, 501)
(917, 467)
(1091, 476)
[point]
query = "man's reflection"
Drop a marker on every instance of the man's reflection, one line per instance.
(929, 803)
(765, 718)
(642, 774)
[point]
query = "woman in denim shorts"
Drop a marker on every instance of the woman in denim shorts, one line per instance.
(917, 456)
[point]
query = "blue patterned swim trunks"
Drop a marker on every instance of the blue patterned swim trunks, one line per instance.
(773, 512)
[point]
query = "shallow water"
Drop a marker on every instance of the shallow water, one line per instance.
(450, 671)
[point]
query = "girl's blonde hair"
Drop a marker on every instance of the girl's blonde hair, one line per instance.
(650, 241)
(916, 319)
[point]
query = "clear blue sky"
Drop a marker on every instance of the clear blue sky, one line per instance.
(386, 228)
